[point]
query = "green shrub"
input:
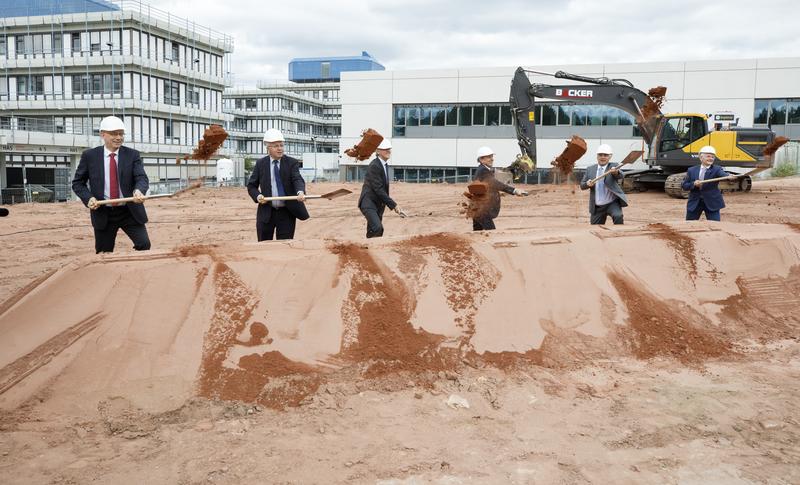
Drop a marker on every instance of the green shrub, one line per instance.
(784, 169)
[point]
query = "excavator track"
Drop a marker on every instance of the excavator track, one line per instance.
(672, 186)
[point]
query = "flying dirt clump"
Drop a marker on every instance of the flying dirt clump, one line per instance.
(652, 109)
(773, 146)
(370, 139)
(565, 162)
(213, 138)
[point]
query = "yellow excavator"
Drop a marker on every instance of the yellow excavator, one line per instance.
(673, 140)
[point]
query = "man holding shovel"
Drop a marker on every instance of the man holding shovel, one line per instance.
(113, 171)
(486, 211)
(705, 196)
(375, 192)
(277, 175)
(606, 197)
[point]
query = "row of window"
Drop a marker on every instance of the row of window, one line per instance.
(128, 85)
(142, 128)
(262, 124)
(273, 104)
(115, 41)
(777, 111)
(499, 115)
(293, 148)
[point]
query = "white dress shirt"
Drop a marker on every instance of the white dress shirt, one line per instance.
(275, 203)
(106, 167)
(602, 195)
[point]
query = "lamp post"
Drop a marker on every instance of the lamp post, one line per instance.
(314, 139)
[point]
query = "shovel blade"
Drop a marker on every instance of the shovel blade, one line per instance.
(336, 193)
(631, 157)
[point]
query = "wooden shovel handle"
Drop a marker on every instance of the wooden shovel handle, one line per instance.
(131, 199)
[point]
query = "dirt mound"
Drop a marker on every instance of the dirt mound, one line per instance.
(276, 328)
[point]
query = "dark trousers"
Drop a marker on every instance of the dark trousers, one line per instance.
(281, 225)
(601, 212)
(483, 224)
(701, 207)
(120, 217)
(374, 221)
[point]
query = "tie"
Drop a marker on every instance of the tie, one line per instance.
(702, 173)
(277, 173)
(113, 190)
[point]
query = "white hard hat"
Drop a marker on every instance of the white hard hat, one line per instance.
(385, 144)
(111, 123)
(484, 151)
(708, 149)
(272, 135)
(605, 149)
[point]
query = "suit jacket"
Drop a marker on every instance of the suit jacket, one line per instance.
(485, 174)
(710, 193)
(375, 191)
(261, 183)
(131, 176)
(611, 182)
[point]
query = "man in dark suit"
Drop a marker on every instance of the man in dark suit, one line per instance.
(375, 192)
(113, 171)
(606, 197)
(704, 197)
(484, 219)
(277, 175)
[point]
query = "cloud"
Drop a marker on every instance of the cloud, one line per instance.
(415, 34)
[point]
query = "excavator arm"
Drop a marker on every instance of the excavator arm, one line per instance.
(618, 93)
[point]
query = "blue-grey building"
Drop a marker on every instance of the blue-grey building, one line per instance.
(327, 69)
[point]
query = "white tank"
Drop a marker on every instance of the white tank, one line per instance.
(224, 170)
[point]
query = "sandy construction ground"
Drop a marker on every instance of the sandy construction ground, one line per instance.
(547, 351)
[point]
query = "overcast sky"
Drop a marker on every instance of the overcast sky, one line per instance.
(421, 34)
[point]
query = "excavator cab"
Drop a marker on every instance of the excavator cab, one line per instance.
(679, 131)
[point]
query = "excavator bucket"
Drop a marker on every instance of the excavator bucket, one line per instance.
(576, 148)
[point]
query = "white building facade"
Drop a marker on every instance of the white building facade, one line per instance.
(437, 119)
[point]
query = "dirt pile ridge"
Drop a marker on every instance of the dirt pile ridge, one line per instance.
(275, 325)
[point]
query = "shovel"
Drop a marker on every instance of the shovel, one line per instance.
(330, 196)
(130, 199)
(148, 197)
(719, 179)
(629, 158)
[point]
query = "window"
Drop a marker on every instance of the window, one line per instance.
(57, 47)
(76, 42)
(399, 116)
(30, 85)
(493, 116)
(595, 117)
(478, 115)
(250, 103)
(3, 45)
(425, 117)
(176, 53)
(413, 117)
(465, 116)
(237, 103)
(579, 114)
(506, 118)
(794, 112)
(761, 114)
(193, 97)
(451, 116)
(564, 114)
(437, 116)
(777, 112)
(325, 70)
(548, 115)
(172, 93)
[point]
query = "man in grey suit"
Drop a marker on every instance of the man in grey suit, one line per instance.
(606, 197)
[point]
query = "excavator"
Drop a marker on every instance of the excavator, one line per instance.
(673, 140)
